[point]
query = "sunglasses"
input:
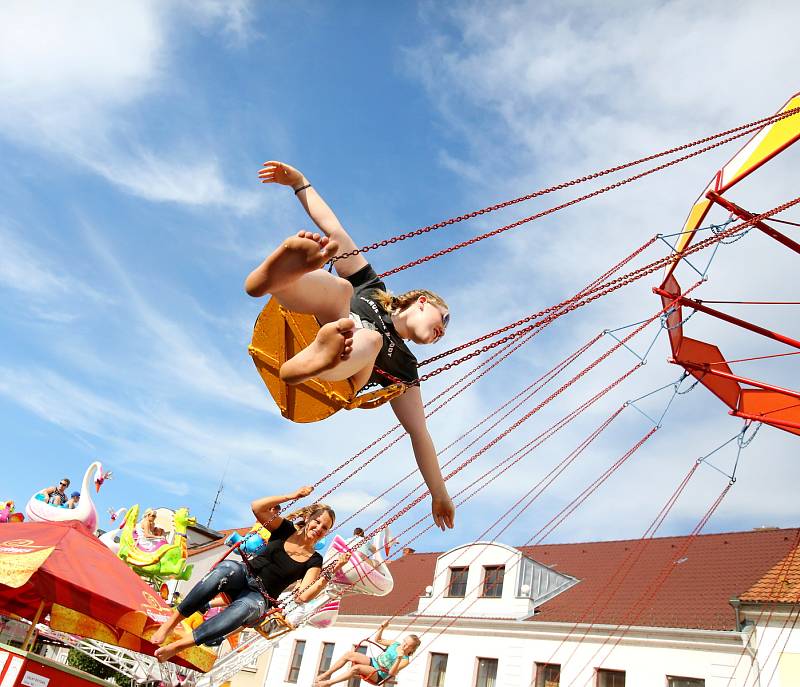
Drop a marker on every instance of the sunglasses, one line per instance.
(63, 484)
(445, 320)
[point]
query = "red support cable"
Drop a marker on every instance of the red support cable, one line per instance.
(560, 467)
(641, 605)
(525, 395)
(759, 357)
(569, 203)
(744, 128)
(531, 445)
(586, 297)
(583, 496)
(613, 585)
(788, 561)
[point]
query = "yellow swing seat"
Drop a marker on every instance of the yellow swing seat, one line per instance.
(273, 626)
(277, 336)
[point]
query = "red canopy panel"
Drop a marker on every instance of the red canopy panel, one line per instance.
(83, 586)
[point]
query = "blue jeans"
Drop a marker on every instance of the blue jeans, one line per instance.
(246, 607)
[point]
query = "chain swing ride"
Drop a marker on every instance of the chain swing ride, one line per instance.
(279, 334)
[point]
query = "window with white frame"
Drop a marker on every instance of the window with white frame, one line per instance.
(673, 681)
(457, 587)
(548, 675)
(297, 659)
(437, 670)
(493, 580)
(325, 657)
(610, 678)
(487, 673)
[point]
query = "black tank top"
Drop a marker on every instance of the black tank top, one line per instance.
(395, 357)
(276, 568)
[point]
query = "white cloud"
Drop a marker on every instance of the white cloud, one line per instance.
(536, 93)
(70, 75)
(45, 290)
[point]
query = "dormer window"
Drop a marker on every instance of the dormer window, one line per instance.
(458, 582)
(493, 580)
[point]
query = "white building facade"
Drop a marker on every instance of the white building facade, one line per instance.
(481, 611)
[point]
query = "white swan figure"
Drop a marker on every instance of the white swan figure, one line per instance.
(111, 538)
(38, 509)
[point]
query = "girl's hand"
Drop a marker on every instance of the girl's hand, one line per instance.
(342, 560)
(274, 172)
(302, 491)
(444, 512)
(383, 625)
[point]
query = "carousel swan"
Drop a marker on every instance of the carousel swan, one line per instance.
(39, 510)
(112, 537)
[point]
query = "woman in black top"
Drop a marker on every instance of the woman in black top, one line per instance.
(363, 327)
(289, 557)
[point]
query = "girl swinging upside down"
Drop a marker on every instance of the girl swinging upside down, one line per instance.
(395, 657)
(363, 327)
(289, 557)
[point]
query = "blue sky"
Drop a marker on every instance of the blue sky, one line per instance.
(131, 135)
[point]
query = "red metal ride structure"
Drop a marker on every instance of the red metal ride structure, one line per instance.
(749, 399)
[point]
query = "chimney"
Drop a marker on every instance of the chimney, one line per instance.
(407, 550)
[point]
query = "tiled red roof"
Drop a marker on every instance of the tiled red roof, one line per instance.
(411, 573)
(714, 569)
(217, 543)
(781, 584)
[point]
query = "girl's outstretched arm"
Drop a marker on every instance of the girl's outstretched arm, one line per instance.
(314, 582)
(262, 508)
(274, 172)
(378, 637)
(410, 412)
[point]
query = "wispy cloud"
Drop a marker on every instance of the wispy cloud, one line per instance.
(536, 93)
(76, 99)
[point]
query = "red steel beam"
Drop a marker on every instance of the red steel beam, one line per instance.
(744, 214)
(766, 420)
(736, 378)
(683, 300)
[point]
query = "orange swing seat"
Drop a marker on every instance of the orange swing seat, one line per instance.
(277, 336)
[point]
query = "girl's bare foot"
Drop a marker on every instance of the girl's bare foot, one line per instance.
(333, 343)
(296, 256)
(165, 652)
(159, 636)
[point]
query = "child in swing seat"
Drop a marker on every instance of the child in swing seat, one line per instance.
(394, 657)
(363, 326)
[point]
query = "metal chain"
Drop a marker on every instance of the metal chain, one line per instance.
(587, 297)
(574, 201)
(745, 128)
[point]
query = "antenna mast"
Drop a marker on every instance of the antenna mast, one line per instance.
(218, 494)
